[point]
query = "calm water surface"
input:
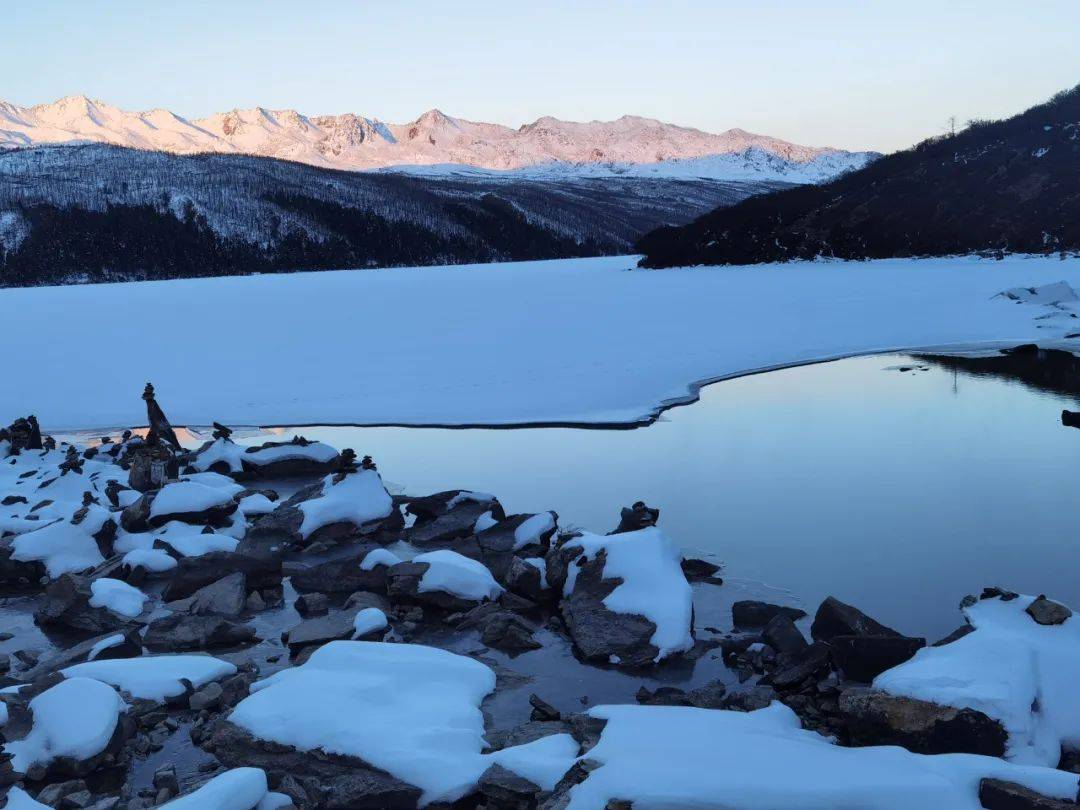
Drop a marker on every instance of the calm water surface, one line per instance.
(899, 491)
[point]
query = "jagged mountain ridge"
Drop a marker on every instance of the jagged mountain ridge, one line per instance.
(355, 142)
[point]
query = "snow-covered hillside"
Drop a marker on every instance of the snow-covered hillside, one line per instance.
(351, 141)
(589, 340)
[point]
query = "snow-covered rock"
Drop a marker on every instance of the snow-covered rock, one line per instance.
(73, 722)
(662, 756)
(338, 508)
(1012, 669)
(444, 579)
(154, 677)
(407, 710)
(220, 456)
(292, 458)
(368, 621)
(237, 789)
(625, 597)
(377, 557)
(189, 502)
(153, 560)
(64, 545)
(117, 596)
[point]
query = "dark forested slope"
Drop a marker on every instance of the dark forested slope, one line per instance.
(71, 214)
(1011, 185)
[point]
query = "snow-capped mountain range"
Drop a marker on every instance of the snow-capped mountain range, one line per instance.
(435, 143)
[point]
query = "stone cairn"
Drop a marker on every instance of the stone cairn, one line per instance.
(154, 463)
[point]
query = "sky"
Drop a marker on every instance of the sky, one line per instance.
(858, 75)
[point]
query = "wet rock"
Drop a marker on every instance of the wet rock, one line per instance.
(296, 458)
(877, 718)
(193, 573)
(445, 517)
(526, 535)
(813, 662)
(505, 631)
(783, 636)
(226, 597)
(710, 696)
(505, 790)
(1047, 612)
(835, 618)
(182, 632)
(542, 710)
(403, 585)
(284, 524)
(1070, 418)
(749, 613)
(315, 632)
(340, 576)
(751, 700)
(67, 604)
(53, 795)
(331, 781)
(524, 580)
(955, 635)
(638, 516)
(696, 570)
(863, 658)
(209, 697)
(996, 794)
(129, 647)
(312, 604)
(598, 633)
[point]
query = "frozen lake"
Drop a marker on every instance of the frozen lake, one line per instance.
(898, 491)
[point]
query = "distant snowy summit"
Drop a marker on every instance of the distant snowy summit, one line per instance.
(436, 143)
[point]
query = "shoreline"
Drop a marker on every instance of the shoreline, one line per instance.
(692, 396)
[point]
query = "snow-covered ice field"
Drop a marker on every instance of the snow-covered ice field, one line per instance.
(583, 341)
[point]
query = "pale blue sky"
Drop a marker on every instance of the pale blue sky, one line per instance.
(868, 74)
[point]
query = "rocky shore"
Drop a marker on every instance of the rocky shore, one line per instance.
(268, 627)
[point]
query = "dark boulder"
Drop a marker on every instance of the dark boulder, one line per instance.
(783, 636)
(339, 576)
(638, 516)
(835, 618)
(996, 794)
(507, 632)
(226, 597)
(182, 632)
(446, 517)
(505, 790)
(598, 633)
(878, 718)
(315, 632)
(696, 570)
(749, 613)
(67, 604)
(1047, 612)
(811, 663)
(332, 781)
(863, 658)
(192, 573)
